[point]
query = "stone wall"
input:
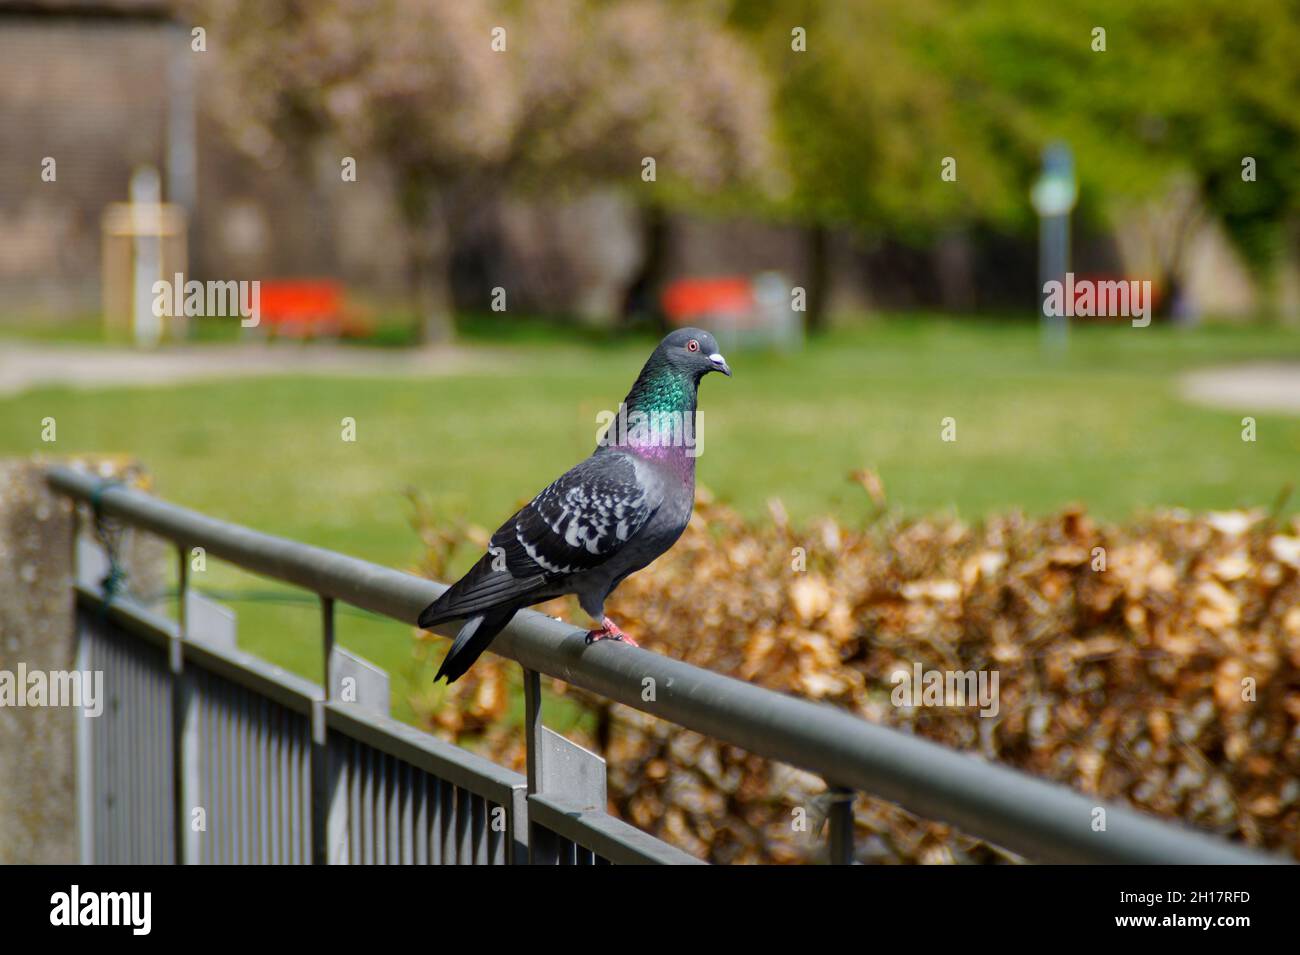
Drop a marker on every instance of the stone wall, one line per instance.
(37, 795)
(38, 822)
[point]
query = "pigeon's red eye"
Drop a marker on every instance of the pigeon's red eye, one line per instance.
(692, 345)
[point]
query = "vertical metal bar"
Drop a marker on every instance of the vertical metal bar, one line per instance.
(102, 730)
(121, 799)
(184, 726)
(132, 740)
(252, 807)
(121, 757)
(155, 745)
(394, 810)
(111, 754)
(464, 830)
(244, 770)
(121, 754)
(322, 790)
(227, 775)
(302, 790)
(107, 737)
(480, 827)
(839, 840)
(533, 735)
(212, 840)
(130, 834)
(380, 763)
(355, 772)
(155, 761)
(136, 743)
(447, 818)
(163, 805)
(420, 791)
(265, 815)
(217, 823)
(517, 822)
(542, 844)
(205, 763)
(289, 789)
(407, 792)
(434, 799)
(284, 774)
(121, 833)
(86, 780)
(275, 786)
(95, 732)
(368, 806)
(496, 838)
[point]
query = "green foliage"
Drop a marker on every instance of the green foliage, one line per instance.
(885, 91)
(865, 121)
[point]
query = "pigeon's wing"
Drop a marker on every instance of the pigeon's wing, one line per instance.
(575, 525)
(583, 519)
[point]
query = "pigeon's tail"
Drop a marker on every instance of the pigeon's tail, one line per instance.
(470, 643)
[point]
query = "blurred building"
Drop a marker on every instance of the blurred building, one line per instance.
(102, 87)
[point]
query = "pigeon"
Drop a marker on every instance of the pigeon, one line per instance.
(602, 520)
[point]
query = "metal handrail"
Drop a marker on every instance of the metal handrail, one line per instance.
(1039, 820)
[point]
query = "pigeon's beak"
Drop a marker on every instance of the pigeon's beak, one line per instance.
(720, 364)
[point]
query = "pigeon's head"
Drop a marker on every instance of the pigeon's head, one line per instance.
(695, 351)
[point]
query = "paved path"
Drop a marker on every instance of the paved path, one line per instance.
(1263, 386)
(26, 365)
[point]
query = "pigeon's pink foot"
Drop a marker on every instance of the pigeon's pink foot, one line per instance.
(609, 631)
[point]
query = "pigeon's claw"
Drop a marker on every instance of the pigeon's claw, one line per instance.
(609, 631)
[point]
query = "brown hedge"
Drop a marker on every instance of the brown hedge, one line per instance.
(1156, 663)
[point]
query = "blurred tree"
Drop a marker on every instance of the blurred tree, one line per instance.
(468, 99)
(867, 121)
(1160, 120)
(1227, 82)
(882, 93)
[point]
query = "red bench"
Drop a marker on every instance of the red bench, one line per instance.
(687, 300)
(307, 308)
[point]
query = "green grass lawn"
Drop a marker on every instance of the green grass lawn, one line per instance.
(1103, 427)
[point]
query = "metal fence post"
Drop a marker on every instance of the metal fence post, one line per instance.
(85, 739)
(839, 840)
(543, 847)
(321, 790)
(563, 775)
(517, 850)
(329, 832)
(185, 729)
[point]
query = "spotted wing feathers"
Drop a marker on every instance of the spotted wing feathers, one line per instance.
(574, 525)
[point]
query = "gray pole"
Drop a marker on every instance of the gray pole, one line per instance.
(1054, 195)
(1053, 263)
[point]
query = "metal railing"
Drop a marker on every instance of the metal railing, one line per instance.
(277, 757)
